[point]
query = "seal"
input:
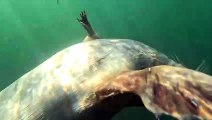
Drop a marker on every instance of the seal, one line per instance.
(97, 78)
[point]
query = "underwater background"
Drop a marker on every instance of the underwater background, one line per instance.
(31, 31)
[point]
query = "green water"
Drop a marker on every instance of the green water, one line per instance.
(33, 30)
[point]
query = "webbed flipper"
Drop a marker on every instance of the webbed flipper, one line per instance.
(85, 23)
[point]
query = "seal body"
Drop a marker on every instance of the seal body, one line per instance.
(68, 83)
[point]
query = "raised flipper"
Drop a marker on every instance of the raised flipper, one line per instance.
(85, 23)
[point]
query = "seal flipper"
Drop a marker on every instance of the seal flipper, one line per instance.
(85, 23)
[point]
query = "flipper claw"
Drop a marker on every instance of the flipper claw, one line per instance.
(83, 20)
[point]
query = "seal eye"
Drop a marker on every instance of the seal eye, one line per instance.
(141, 62)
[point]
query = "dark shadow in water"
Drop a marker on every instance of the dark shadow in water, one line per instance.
(106, 109)
(112, 106)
